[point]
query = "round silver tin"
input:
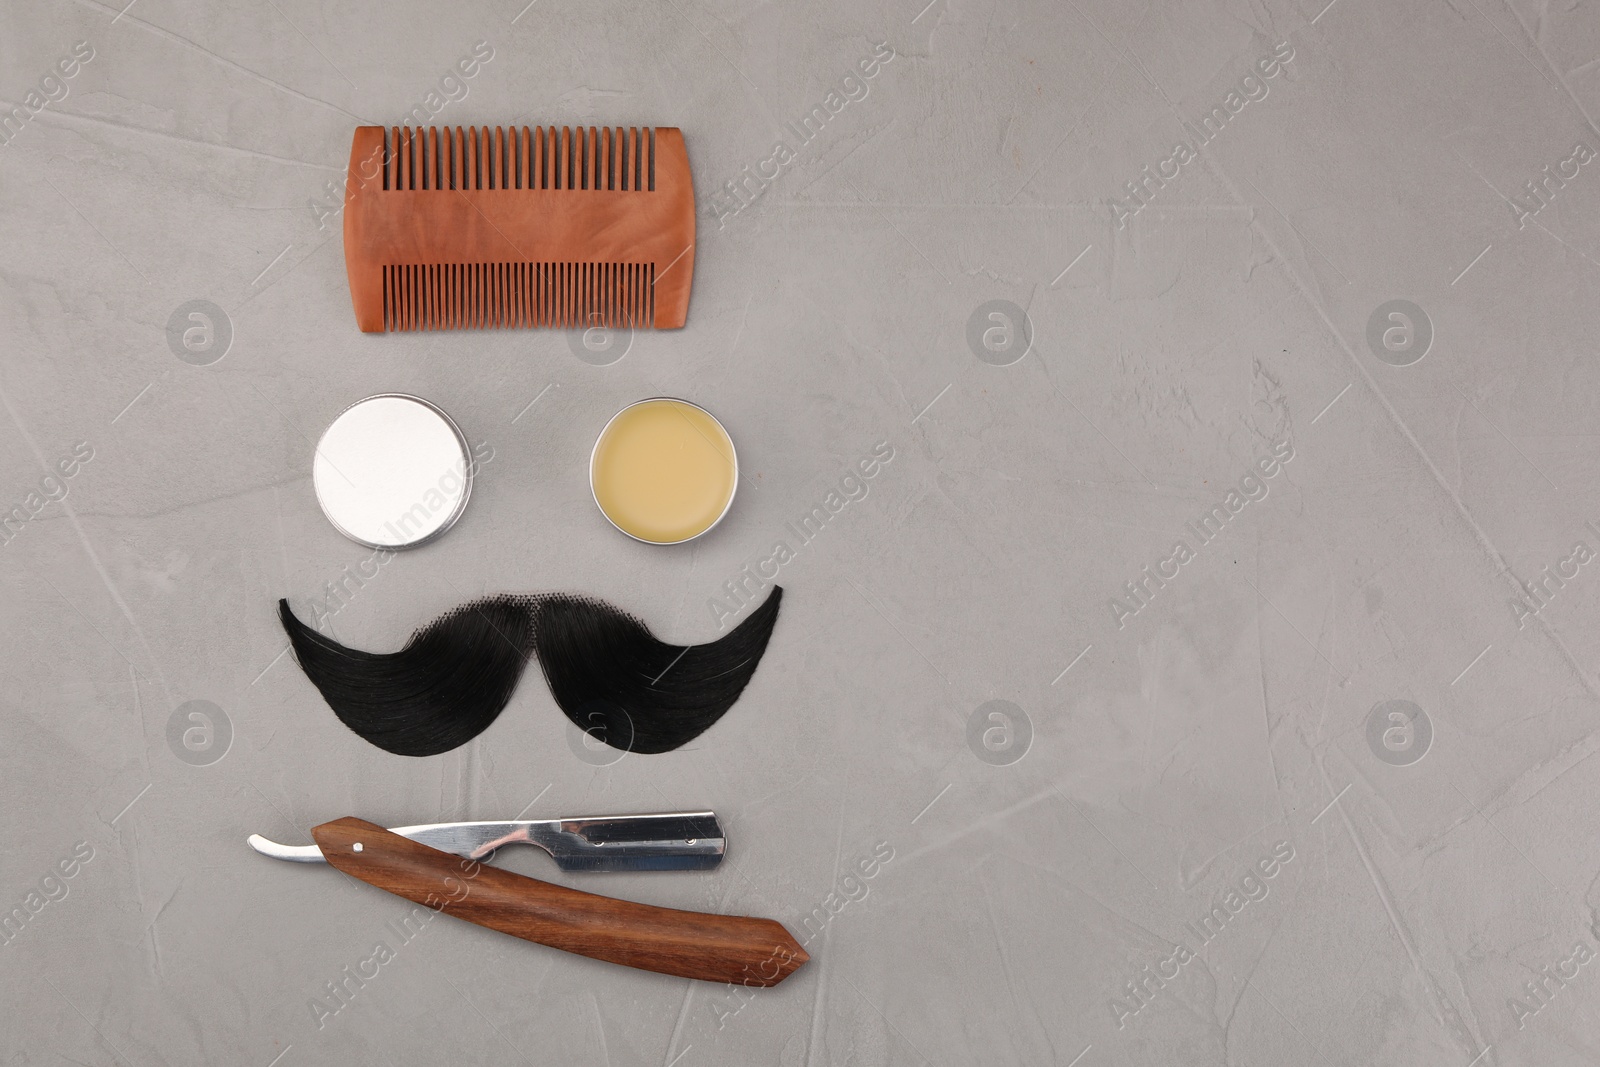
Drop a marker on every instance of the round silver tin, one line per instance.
(392, 471)
(731, 448)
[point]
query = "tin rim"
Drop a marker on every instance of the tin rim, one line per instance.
(467, 466)
(731, 448)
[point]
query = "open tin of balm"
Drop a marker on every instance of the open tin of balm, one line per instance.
(664, 471)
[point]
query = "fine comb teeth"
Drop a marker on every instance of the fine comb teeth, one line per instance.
(473, 229)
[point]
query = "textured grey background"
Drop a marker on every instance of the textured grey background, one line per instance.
(1227, 715)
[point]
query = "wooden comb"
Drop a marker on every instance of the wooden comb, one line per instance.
(482, 228)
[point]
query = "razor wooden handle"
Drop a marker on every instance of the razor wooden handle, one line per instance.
(689, 944)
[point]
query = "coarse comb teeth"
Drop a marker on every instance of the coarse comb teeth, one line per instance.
(614, 160)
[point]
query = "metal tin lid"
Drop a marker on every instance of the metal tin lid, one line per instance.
(392, 471)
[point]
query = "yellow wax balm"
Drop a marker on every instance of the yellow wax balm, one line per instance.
(663, 471)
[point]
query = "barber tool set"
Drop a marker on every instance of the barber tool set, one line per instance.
(517, 227)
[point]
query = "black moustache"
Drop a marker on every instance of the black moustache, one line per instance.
(610, 675)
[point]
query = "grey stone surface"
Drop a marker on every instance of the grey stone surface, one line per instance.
(1181, 345)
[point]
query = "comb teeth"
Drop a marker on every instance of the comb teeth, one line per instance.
(620, 159)
(448, 296)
